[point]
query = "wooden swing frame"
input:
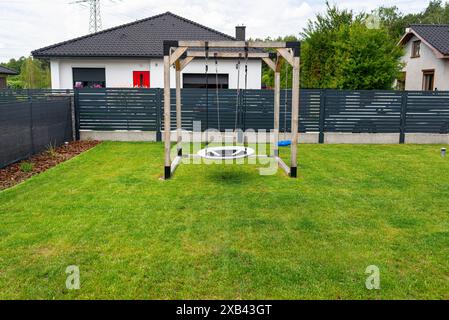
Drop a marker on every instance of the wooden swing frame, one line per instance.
(178, 53)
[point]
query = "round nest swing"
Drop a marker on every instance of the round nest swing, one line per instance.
(226, 153)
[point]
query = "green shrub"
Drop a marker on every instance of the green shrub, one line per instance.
(26, 167)
(51, 150)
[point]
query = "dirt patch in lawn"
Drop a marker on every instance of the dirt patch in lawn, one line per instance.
(20, 171)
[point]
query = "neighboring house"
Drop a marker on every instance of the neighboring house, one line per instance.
(4, 73)
(131, 55)
(426, 58)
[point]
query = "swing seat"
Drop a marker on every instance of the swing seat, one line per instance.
(226, 153)
(284, 143)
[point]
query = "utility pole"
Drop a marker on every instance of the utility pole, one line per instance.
(95, 14)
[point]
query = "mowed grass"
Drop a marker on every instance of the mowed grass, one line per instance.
(225, 232)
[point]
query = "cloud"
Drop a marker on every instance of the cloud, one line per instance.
(26, 25)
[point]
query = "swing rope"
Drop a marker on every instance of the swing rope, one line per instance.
(246, 88)
(237, 103)
(217, 93)
(286, 98)
(227, 152)
(207, 91)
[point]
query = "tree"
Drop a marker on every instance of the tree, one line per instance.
(396, 22)
(365, 58)
(340, 51)
(34, 75)
(14, 64)
(286, 68)
(318, 67)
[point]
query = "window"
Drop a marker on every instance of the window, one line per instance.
(198, 80)
(428, 80)
(416, 49)
(89, 78)
(141, 79)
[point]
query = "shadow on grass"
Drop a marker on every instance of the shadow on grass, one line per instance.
(230, 175)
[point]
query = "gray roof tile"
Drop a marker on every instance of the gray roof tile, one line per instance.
(143, 38)
(4, 70)
(436, 35)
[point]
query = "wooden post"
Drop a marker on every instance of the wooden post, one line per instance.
(178, 109)
(295, 116)
(277, 105)
(167, 124)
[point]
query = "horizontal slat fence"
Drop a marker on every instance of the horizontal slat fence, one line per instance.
(321, 111)
(362, 111)
(427, 112)
(118, 109)
(24, 95)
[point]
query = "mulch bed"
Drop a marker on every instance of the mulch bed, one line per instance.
(13, 175)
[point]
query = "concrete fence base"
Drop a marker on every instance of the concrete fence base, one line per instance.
(426, 138)
(361, 138)
(305, 138)
(118, 136)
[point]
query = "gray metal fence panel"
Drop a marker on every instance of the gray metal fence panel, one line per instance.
(320, 110)
(259, 106)
(30, 127)
(427, 112)
(118, 109)
(362, 111)
(23, 95)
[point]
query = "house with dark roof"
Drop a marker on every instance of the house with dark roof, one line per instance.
(4, 73)
(131, 55)
(426, 58)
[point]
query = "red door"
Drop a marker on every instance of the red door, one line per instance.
(141, 79)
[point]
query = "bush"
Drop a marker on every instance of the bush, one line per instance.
(51, 150)
(26, 167)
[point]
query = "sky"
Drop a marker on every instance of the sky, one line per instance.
(26, 25)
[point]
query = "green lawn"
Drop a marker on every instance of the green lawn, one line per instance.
(224, 232)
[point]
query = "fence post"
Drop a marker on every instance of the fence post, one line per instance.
(322, 119)
(30, 102)
(77, 114)
(158, 114)
(403, 122)
(72, 114)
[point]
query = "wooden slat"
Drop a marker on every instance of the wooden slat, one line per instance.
(232, 44)
(177, 54)
(218, 54)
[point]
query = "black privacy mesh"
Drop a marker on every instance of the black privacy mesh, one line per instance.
(27, 128)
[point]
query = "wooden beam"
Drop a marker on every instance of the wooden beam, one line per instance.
(271, 44)
(283, 165)
(295, 117)
(251, 55)
(167, 123)
(233, 44)
(177, 54)
(287, 55)
(277, 104)
(184, 62)
(270, 63)
(175, 164)
(178, 109)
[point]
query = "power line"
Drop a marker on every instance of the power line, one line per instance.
(95, 24)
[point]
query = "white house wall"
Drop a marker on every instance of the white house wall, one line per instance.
(427, 60)
(119, 72)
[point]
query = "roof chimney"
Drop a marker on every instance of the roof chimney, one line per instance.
(240, 33)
